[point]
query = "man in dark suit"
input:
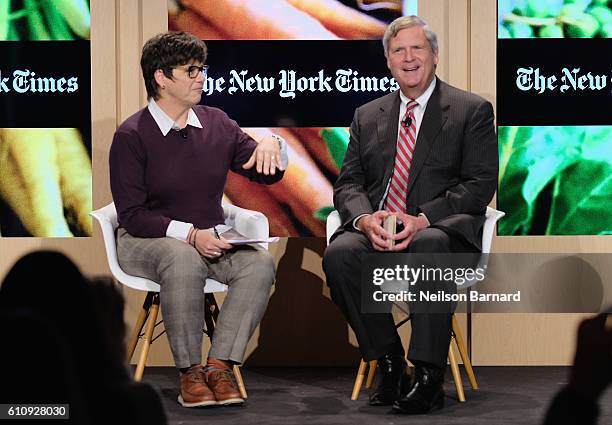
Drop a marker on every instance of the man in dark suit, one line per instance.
(427, 154)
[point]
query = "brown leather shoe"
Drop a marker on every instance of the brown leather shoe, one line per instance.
(194, 391)
(221, 381)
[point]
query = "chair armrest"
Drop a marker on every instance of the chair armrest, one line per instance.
(107, 218)
(251, 224)
(332, 224)
(492, 215)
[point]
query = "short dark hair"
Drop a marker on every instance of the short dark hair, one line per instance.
(165, 51)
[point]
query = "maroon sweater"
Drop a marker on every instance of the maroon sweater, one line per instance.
(156, 179)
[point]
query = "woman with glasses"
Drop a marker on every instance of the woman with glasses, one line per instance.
(168, 167)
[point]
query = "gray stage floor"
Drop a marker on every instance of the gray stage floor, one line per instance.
(507, 395)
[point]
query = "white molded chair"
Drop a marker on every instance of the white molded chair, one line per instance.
(249, 223)
(492, 215)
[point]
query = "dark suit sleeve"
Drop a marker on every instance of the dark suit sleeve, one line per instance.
(350, 196)
(478, 171)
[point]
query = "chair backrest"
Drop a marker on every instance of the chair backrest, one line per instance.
(107, 218)
(492, 215)
(332, 224)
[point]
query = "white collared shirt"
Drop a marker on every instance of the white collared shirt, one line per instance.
(418, 110)
(165, 123)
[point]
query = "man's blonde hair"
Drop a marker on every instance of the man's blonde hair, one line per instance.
(408, 22)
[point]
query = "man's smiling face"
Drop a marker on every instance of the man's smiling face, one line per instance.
(411, 61)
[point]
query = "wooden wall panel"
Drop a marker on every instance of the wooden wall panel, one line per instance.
(129, 26)
(435, 13)
(458, 44)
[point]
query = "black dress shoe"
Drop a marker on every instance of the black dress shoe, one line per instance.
(391, 368)
(422, 392)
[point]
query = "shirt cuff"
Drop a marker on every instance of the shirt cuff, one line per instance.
(426, 219)
(284, 156)
(179, 230)
(355, 221)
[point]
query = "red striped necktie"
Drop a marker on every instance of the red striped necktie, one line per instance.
(396, 197)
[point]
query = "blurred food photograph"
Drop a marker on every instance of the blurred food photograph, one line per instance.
(299, 204)
(555, 180)
(44, 20)
(45, 173)
(554, 19)
(286, 19)
(45, 183)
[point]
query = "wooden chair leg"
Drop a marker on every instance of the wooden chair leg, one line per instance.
(456, 373)
(359, 380)
(464, 355)
(240, 382)
(371, 373)
(148, 336)
(140, 321)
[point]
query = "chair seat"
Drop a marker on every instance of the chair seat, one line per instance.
(144, 284)
(250, 223)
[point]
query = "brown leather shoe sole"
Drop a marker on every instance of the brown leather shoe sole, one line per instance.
(230, 401)
(201, 403)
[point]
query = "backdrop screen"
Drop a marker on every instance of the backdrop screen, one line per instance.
(554, 90)
(298, 69)
(45, 118)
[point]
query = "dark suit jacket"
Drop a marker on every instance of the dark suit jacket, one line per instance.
(454, 169)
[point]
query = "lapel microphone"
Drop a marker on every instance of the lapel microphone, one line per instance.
(183, 132)
(407, 121)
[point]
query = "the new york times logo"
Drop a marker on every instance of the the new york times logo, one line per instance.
(533, 79)
(289, 82)
(26, 81)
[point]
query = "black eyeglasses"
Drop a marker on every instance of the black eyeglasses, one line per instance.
(194, 70)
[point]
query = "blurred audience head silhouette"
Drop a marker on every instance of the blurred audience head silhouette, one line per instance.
(591, 374)
(67, 336)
